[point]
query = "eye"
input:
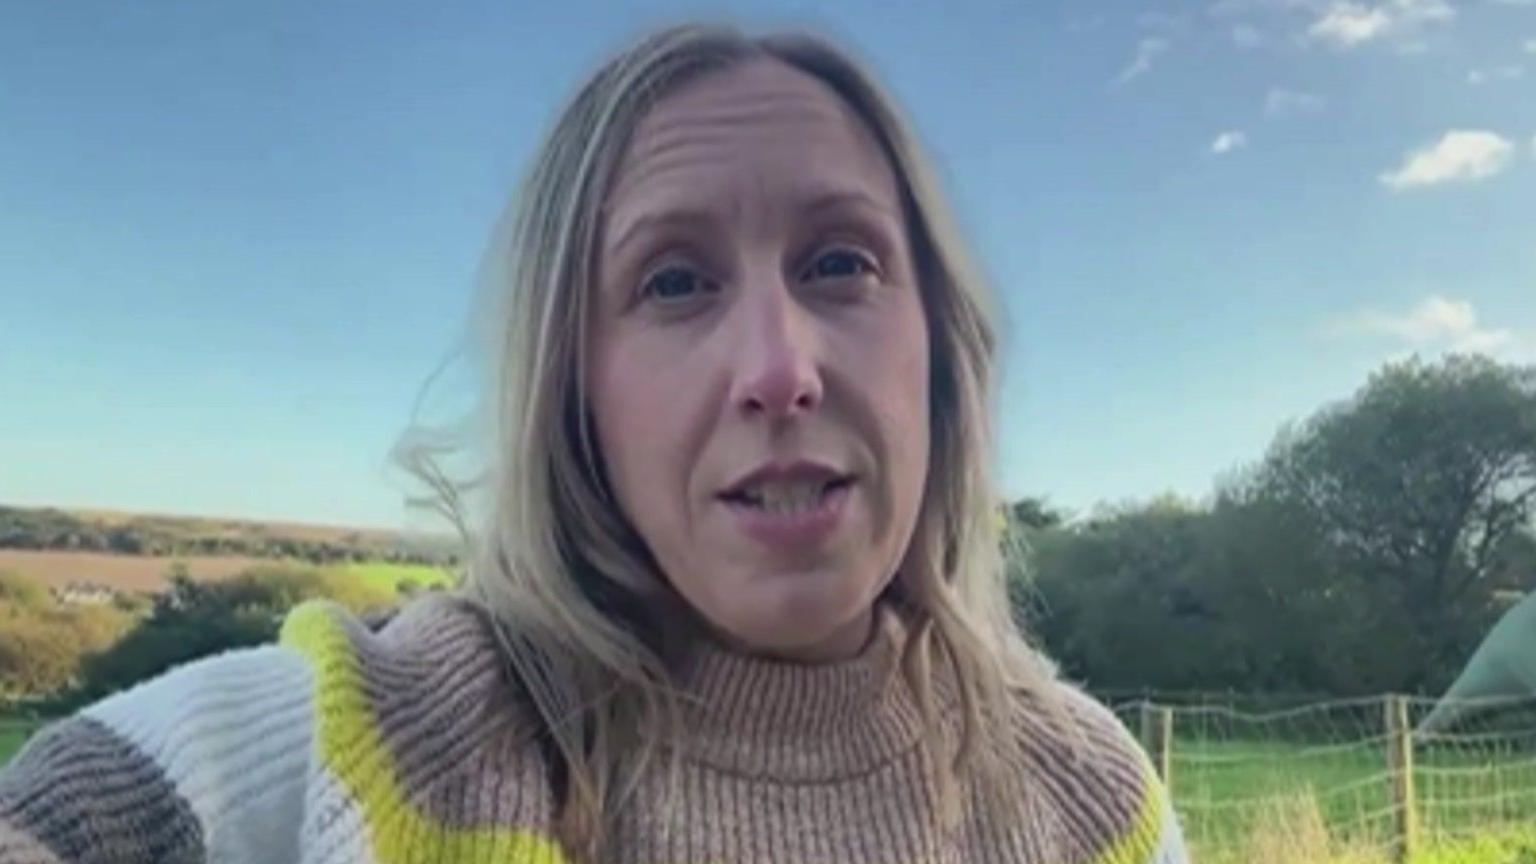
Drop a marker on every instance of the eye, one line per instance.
(672, 284)
(839, 263)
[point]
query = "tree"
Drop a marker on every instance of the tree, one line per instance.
(1030, 512)
(1420, 483)
(1124, 599)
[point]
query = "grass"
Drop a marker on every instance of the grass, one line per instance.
(1276, 802)
(389, 577)
(14, 733)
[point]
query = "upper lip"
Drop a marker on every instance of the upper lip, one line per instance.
(798, 470)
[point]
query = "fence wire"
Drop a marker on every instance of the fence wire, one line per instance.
(1321, 781)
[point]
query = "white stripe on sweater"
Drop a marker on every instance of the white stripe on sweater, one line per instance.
(233, 734)
(334, 829)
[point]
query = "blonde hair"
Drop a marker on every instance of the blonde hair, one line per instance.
(578, 602)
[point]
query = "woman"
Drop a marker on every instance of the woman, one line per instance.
(737, 595)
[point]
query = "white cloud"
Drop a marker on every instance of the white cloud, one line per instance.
(1226, 142)
(1439, 324)
(1280, 102)
(1460, 155)
(1147, 52)
(1495, 73)
(1347, 24)
(1529, 45)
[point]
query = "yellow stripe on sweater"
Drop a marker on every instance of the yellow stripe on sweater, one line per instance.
(354, 751)
(1141, 839)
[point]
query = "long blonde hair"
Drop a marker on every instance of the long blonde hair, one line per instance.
(579, 604)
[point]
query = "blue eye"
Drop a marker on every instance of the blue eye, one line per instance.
(672, 283)
(839, 264)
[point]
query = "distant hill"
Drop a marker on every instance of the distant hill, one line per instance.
(155, 535)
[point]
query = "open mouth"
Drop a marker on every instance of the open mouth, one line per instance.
(786, 498)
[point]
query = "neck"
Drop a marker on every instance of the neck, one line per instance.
(846, 642)
(796, 721)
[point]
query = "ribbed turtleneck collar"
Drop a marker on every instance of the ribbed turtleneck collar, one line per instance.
(803, 723)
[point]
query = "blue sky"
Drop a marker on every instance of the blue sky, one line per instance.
(235, 239)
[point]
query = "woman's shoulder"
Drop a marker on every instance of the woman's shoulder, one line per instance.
(206, 759)
(434, 665)
(225, 758)
(1086, 767)
(436, 645)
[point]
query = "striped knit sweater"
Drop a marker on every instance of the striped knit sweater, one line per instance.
(342, 744)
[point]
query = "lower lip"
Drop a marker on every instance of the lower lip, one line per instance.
(795, 530)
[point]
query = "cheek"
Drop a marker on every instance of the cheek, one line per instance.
(625, 432)
(904, 362)
(641, 411)
(889, 372)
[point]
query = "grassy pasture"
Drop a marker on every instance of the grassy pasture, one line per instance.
(1273, 802)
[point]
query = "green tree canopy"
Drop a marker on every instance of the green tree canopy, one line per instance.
(1418, 482)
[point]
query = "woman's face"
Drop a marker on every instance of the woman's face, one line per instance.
(759, 358)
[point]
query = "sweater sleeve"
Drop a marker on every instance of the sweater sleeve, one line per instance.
(1151, 834)
(205, 763)
(1109, 803)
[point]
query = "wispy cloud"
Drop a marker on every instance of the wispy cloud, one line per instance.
(1281, 102)
(1461, 155)
(1226, 142)
(1437, 324)
(1246, 36)
(1349, 24)
(1529, 45)
(1510, 72)
(1147, 52)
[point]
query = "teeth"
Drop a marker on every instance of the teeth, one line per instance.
(789, 497)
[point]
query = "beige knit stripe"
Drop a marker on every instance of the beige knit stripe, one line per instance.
(90, 796)
(803, 724)
(18, 848)
(1101, 800)
(446, 715)
(883, 816)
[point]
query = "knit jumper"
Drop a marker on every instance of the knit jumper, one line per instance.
(345, 744)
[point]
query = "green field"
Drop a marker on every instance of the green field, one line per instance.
(12, 734)
(389, 577)
(1269, 801)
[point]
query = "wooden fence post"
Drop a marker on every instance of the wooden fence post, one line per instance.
(1400, 777)
(1157, 738)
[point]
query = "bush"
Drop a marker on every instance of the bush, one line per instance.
(193, 620)
(42, 643)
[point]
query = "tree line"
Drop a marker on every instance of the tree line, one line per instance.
(1368, 550)
(59, 530)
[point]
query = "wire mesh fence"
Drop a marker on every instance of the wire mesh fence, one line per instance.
(1384, 778)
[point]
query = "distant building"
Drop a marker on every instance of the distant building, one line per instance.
(85, 594)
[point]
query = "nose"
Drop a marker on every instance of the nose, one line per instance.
(776, 357)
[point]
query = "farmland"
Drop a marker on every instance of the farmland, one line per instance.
(149, 574)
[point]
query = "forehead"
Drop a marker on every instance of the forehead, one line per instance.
(761, 124)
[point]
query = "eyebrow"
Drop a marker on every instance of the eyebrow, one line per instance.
(699, 217)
